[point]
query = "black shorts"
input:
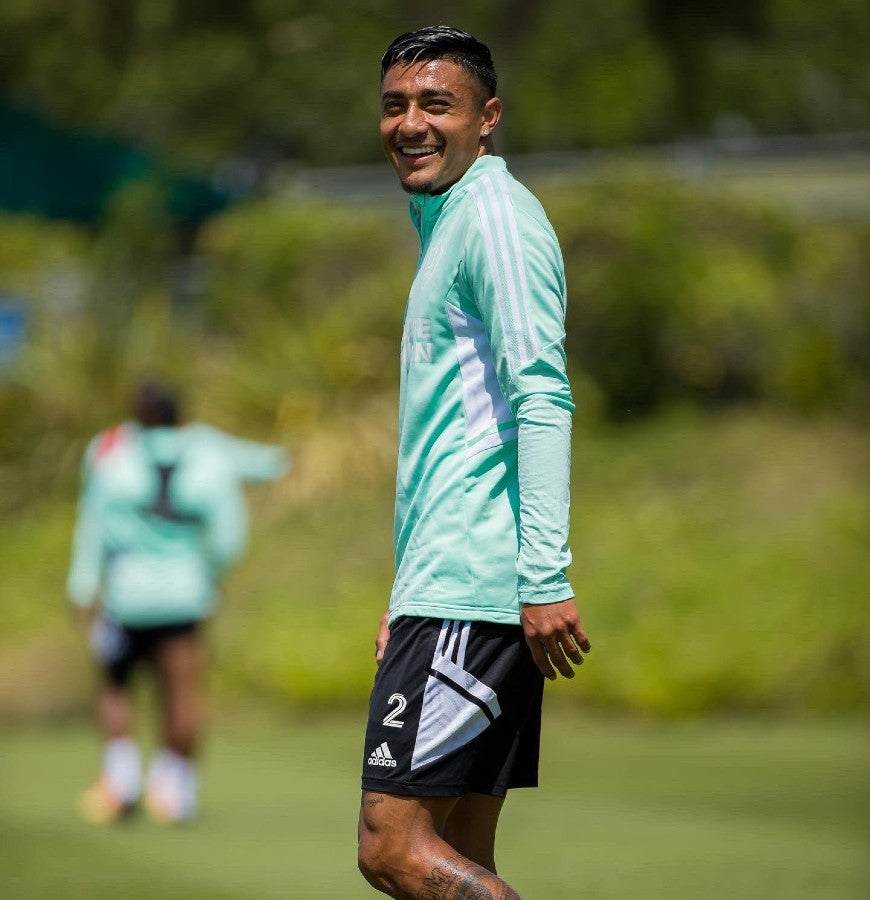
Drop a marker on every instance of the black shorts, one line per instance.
(130, 646)
(455, 709)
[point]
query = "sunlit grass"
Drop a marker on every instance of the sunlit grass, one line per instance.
(625, 809)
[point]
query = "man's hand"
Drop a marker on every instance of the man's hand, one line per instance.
(106, 640)
(555, 636)
(382, 638)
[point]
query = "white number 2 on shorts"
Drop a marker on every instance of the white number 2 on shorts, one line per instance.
(391, 717)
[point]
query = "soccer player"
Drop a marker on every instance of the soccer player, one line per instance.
(481, 610)
(161, 517)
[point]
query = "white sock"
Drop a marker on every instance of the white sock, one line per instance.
(161, 765)
(175, 778)
(122, 766)
(188, 781)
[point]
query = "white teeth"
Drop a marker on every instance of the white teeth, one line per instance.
(418, 151)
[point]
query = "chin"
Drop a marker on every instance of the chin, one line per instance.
(423, 187)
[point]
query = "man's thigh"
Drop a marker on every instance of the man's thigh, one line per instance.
(404, 820)
(471, 828)
(399, 829)
(177, 656)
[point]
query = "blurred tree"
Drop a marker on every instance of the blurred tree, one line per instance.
(686, 29)
(588, 75)
(247, 84)
(72, 175)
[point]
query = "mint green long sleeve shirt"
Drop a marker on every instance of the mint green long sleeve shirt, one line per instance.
(162, 515)
(482, 487)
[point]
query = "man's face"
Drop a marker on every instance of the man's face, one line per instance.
(434, 122)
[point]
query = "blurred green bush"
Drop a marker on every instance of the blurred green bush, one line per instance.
(678, 293)
(681, 294)
(707, 545)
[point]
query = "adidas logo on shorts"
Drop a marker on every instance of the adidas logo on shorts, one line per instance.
(381, 756)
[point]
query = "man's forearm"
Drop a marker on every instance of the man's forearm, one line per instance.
(544, 460)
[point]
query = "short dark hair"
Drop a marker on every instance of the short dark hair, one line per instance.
(443, 42)
(155, 405)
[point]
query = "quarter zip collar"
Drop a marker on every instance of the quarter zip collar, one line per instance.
(425, 209)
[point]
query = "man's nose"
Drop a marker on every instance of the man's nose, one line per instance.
(414, 121)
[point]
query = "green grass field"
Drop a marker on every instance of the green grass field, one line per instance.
(626, 810)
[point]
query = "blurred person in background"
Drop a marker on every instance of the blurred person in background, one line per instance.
(481, 610)
(162, 516)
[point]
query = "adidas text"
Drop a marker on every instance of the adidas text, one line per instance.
(381, 756)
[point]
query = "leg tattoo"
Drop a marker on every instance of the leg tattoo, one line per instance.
(454, 880)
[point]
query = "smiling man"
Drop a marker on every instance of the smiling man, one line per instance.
(481, 610)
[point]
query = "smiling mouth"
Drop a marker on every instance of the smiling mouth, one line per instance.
(418, 152)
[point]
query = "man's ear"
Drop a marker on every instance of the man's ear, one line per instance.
(491, 116)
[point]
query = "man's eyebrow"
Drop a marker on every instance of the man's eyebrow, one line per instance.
(436, 92)
(428, 94)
